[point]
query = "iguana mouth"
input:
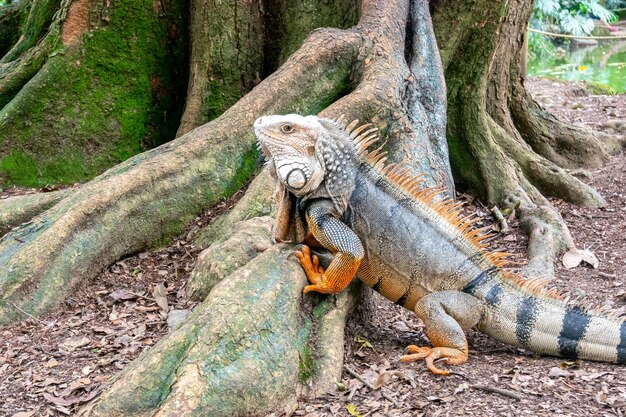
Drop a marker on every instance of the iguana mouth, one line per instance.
(261, 137)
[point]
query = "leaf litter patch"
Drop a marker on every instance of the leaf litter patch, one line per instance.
(51, 365)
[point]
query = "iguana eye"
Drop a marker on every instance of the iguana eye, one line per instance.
(287, 128)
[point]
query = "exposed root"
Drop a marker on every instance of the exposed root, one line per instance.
(149, 197)
(563, 144)
(252, 347)
(19, 209)
(244, 243)
(257, 201)
(516, 177)
(543, 174)
(547, 237)
(40, 15)
(15, 74)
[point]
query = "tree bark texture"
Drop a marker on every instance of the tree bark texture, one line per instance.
(88, 84)
(235, 44)
(502, 145)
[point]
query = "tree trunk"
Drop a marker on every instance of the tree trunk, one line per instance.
(88, 84)
(502, 145)
(252, 337)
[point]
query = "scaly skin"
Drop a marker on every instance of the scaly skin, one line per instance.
(413, 248)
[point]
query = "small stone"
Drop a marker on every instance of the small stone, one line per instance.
(175, 317)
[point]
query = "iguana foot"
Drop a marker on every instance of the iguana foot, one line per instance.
(310, 264)
(430, 355)
(314, 272)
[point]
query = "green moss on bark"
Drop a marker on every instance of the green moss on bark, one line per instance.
(34, 28)
(288, 23)
(115, 94)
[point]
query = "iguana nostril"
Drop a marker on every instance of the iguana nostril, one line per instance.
(259, 121)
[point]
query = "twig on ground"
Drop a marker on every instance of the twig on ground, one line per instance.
(505, 392)
(352, 392)
(367, 383)
(30, 315)
(142, 296)
(605, 275)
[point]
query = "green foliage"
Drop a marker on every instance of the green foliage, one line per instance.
(540, 47)
(576, 17)
(614, 4)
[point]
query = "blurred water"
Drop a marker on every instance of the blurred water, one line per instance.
(604, 63)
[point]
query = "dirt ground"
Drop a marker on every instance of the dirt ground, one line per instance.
(51, 365)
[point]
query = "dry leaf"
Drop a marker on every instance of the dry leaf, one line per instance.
(102, 329)
(384, 377)
(24, 414)
(591, 376)
(447, 399)
(49, 381)
(122, 294)
(56, 400)
(462, 387)
(159, 293)
(573, 258)
(73, 343)
(556, 372)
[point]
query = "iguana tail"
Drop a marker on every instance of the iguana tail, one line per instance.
(523, 313)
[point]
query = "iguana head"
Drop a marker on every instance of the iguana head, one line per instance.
(290, 143)
(309, 157)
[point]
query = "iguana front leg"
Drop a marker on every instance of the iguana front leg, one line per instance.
(338, 238)
(446, 315)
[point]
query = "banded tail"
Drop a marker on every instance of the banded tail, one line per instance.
(532, 318)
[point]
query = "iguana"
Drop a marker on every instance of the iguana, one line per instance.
(413, 247)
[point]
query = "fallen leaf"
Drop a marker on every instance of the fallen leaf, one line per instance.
(447, 399)
(364, 342)
(102, 329)
(159, 293)
(386, 376)
(122, 294)
(462, 387)
(556, 372)
(147, 308)
(140, 330)
(352, 410)
(52, 363)
(573, 258)
(56, 400)
(73, 343)
(591, 376)
(24, 414)
(48, 381)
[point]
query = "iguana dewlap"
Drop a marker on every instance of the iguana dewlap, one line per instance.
(413, 248)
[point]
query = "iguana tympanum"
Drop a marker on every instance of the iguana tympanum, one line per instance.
(413, 248)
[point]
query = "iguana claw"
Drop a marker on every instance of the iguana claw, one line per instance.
(452, 356)
(311, 265)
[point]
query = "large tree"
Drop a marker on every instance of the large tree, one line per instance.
(252, 345)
